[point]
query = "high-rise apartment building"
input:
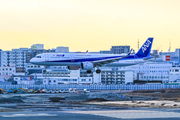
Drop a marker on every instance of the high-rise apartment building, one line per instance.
(3, 58)
(17, 58)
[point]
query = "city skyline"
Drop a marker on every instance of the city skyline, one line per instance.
(89, 25)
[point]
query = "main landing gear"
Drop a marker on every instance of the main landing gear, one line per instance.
(88, 71)
(44, 71)
(98, 71)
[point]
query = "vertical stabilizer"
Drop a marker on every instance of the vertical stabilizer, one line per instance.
(145, 49)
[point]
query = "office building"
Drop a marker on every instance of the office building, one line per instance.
(64, 76)
(34, 69)
(112, 76)
(174, 74)
(62, 49)
(37, 47)
(150, 71)
(6, 73)
(105, 52)
(120, 49)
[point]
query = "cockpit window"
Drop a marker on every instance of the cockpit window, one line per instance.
(38, 56)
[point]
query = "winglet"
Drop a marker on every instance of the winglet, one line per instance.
(87, 52)
(130, 52)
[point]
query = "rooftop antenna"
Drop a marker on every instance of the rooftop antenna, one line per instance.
(138, 44)
(47, 49)
(169, 45)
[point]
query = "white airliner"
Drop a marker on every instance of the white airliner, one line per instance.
(90, 61)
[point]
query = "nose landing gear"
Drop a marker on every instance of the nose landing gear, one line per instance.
(44, 71)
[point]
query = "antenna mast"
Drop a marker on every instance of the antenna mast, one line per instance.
(138, 44)
(169, 45)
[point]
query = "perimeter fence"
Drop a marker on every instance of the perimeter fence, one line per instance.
(94, 87)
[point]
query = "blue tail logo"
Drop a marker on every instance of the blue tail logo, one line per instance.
(145, 49)
(146, 45)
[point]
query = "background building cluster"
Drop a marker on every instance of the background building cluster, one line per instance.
(15, 66)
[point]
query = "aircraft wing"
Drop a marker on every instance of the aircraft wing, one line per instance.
(107, 61)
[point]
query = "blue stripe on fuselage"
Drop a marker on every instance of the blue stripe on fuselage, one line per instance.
(96, 59)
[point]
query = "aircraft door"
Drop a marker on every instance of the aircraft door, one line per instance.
(72, 58)
(46, 57)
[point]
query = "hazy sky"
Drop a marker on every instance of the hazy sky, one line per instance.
(89, 24)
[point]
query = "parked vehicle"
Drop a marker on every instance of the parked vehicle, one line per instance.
(66, 91)
(30, 91)
(1, 91)
(74, 90)
(52, 91)
(47, 91)
(16, 90)
(62, 91)
(36, 91)
(86, 90)
(57, 91)
(70, 90)
(44, 90)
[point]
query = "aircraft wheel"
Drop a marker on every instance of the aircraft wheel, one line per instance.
(44, 71)
(98, 71)
(88, 71)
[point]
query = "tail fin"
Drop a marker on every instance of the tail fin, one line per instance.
(145, 49)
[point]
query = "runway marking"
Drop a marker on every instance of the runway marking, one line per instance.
(29, 115)
(130, 114)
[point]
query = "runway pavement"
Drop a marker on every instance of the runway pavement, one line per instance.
(51, 116)
(138, 114)
(38, 107)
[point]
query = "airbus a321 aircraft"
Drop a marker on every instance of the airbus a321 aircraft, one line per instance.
(90, 61)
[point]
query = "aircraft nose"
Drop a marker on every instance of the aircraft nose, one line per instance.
(32, 60)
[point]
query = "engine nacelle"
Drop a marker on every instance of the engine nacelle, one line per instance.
(87, 66)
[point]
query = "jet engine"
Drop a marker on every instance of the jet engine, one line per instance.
(87, 66)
